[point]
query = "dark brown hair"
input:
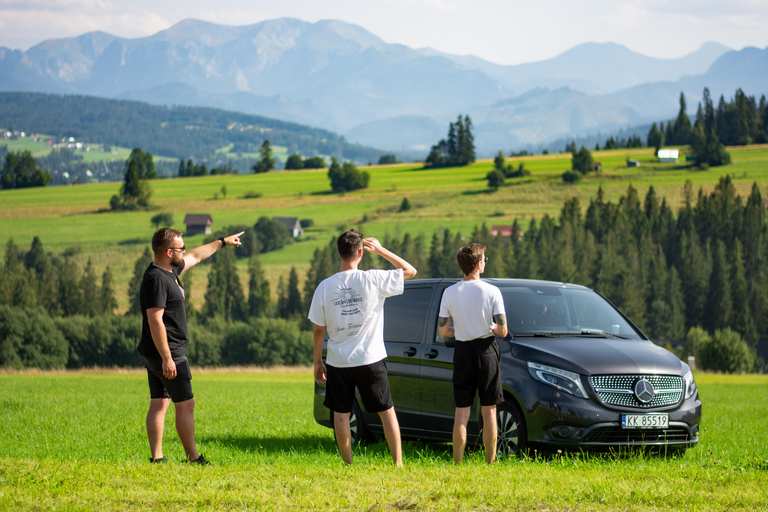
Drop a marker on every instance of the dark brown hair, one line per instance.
(349, 243)
(162, 239)
(469, 256)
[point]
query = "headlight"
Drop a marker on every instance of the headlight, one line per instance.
(690, 385)
(563, 380)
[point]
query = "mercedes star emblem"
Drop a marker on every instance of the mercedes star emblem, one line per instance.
(644, 391)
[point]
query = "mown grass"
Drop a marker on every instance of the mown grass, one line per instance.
(454, 198)
(76, 441)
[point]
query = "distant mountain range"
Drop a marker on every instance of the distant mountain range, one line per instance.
(342, 78)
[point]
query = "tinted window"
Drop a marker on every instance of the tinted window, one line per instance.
(405, 315)
(547, 309)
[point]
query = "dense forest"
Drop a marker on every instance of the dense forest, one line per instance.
(180, 132)
(690, 274)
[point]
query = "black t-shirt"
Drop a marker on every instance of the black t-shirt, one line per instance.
(162, 289)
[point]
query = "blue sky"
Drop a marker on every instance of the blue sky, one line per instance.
(502, 31)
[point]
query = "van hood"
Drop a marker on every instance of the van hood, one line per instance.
(589, 355)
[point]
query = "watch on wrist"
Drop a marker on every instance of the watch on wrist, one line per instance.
(223, 243)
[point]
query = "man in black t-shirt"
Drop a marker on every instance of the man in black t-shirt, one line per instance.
(164, 338)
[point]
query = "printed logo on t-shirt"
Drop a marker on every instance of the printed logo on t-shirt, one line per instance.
(347, 299)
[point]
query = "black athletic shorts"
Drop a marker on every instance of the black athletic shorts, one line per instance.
(477, 368)
(371, 380)
(178, 389)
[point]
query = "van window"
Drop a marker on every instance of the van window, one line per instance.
(405, 315)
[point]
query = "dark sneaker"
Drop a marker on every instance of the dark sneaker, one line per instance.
(161, 460)
(201, 461)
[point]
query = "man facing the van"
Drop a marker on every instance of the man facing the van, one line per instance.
(478, 314)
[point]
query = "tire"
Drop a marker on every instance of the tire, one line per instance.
(357, 427)
(512, 434)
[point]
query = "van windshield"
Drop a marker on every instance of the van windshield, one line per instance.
(556, 310)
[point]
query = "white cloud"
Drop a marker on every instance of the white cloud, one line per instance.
(27, 28)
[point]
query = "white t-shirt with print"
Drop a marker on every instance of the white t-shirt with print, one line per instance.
(350, 305)
(472, 305)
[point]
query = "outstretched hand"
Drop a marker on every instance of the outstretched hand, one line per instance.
(233, 239)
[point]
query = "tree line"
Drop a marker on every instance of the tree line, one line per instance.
(55, 314)
(739, 122)
(698, 274)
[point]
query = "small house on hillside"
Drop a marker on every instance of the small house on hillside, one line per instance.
(198, 223)
(632, 163)
(505, 231)
(668, 156)
(293, 225)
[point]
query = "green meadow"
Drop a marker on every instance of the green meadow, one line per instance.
(454, 198)
(76, 441)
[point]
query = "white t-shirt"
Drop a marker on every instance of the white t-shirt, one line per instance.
(350, 305)
(472, 305)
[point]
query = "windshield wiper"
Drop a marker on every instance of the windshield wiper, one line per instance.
(590, 332)
(534, 335)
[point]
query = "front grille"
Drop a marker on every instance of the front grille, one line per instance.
(617, 435)
(619, 390)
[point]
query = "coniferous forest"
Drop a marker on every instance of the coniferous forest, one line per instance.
(698, 273)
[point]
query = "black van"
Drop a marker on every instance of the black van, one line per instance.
(576, 373)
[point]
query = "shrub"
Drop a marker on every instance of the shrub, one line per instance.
(571, 177)
(108, 340)
(267, 342)
(29, 338)
(205, 343)
(405, 205)
(495, 179)
(725, 351)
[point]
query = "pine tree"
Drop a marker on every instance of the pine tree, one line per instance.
(719, 307)
(742, 319)
(259, 298)
(107, 302)
(224, 296)
(266, 161)
(134, 286)
(89, 291)
(682, 130)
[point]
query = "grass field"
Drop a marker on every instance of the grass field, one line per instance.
(454, 198)
(76, 441)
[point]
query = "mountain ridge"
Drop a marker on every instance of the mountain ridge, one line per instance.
(340, 77)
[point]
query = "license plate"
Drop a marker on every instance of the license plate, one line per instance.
(644, 421)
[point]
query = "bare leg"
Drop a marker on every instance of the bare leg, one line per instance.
(490, 432)
(392, 434)
(185, 426)
(156, 424)
(460, 433)
(343, 435)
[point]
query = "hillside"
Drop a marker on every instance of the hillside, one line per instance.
(67, 219)
(179, 132)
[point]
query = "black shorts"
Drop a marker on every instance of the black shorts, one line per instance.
(178, 389)
(477, 368)
(371, 380)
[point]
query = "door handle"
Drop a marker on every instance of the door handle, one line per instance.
(410, 351)
(431, 353)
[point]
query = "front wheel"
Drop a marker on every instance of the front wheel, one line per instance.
(512, 435)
